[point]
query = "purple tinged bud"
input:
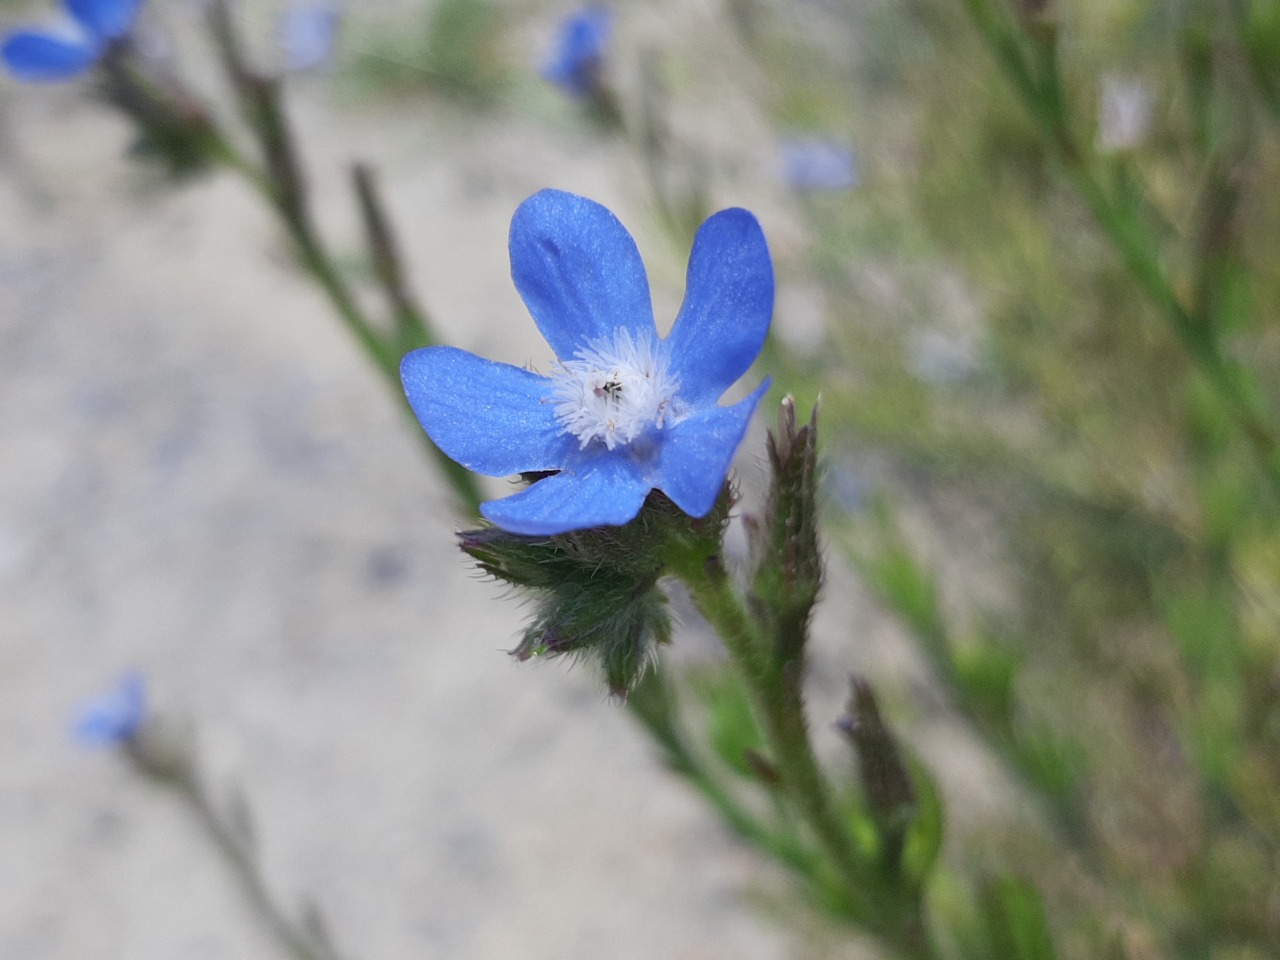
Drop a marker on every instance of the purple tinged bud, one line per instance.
(885, 779)
(784, 543)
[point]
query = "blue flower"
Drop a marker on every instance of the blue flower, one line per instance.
(623, 411)
(74, 46)
(307, 33)
(813, 165)
(114, 716)
(577, 64)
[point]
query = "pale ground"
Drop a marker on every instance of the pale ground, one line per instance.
(205, 480)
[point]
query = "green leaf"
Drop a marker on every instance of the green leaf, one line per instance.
(1203, 622)
(905, 584)
(731, 725)
(924, 838)
(1051, 761)
(1016, 921)
(985, 673)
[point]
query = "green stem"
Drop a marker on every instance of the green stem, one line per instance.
(784, 723)
(242, 864)
(776, 690)
(654, 708)
(1267, 90)
(318, 262)
(234, 846)
(1225, 376)
(280, 182)
(384, 255)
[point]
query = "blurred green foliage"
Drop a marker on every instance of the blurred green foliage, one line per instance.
(1054, 300)
(455, 51)
(1114, 280)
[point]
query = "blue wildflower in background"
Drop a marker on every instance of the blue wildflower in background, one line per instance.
(577, 63)
(307, 32)
(815, 165)
(114, 716)
(623, 411)
(72, 47)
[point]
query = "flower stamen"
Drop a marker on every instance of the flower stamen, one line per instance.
(614, 391)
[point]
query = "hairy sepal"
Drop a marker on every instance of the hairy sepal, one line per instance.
(596, 593)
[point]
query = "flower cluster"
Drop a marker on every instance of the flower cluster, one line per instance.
(623, 411)
(74, 45)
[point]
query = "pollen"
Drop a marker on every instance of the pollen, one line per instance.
(614, 390)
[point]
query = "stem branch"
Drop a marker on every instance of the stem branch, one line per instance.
(776, 688)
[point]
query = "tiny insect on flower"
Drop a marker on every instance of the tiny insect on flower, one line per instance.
(623, 411)
(71, 47)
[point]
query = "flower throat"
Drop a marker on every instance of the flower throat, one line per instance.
(614, 390)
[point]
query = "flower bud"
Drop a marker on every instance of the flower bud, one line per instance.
(784, 540)
(885, 780)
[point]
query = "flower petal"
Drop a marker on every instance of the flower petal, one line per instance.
(35, 56)
(491, 417)
(728, 303)
(695, 454)
(604, 490)
(108, 19)
(578, 271)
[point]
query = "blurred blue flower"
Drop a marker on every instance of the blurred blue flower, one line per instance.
(623, 411)
(577, 64)
(306, 33)
(813, 165)
(71, 47)
(113, 716)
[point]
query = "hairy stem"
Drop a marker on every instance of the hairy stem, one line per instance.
(652, 705)
(776, 689)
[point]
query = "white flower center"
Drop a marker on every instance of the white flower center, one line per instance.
(614, 391)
